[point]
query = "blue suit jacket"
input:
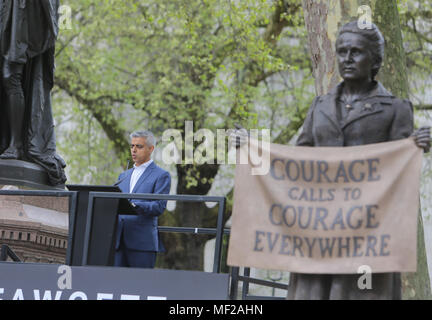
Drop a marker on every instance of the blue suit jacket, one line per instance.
(140, 232)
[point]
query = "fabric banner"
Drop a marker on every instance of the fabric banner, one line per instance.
(327, 209)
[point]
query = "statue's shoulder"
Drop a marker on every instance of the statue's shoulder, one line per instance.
(403, 102)
(324, 101)
(330, 96)
(384, 96)
(399, 104)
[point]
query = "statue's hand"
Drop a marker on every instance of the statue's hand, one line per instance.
(238, 137)
(422, 138)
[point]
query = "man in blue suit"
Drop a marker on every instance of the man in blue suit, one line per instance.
(137, 240)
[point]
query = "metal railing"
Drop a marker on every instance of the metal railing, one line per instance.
(247, 279)
(218, 231)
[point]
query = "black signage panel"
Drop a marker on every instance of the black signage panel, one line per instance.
(27, 281)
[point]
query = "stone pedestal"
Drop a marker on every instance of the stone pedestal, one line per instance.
(25, 174)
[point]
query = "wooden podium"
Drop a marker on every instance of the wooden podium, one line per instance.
(100, 226)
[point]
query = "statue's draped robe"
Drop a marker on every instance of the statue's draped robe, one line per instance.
(28, 31)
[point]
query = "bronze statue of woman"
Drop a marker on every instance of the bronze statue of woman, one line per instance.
(358, 111)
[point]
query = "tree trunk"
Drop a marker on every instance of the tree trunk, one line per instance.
(323, 20)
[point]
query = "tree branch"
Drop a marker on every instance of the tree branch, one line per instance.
(278, 21)
(100, 108)
(423, 107)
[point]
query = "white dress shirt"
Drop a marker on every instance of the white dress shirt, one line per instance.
(136, 174)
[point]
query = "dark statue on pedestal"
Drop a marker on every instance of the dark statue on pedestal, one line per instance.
(28, 31)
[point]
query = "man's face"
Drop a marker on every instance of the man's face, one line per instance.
(140, 151)
(355, 60)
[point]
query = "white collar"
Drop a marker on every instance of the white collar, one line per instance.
(143, 166)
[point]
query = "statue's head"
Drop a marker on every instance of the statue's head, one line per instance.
(369, 40)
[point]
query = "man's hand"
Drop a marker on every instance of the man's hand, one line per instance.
(422, 138)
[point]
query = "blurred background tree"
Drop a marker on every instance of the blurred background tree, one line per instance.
(145, 64)
(128, 65)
